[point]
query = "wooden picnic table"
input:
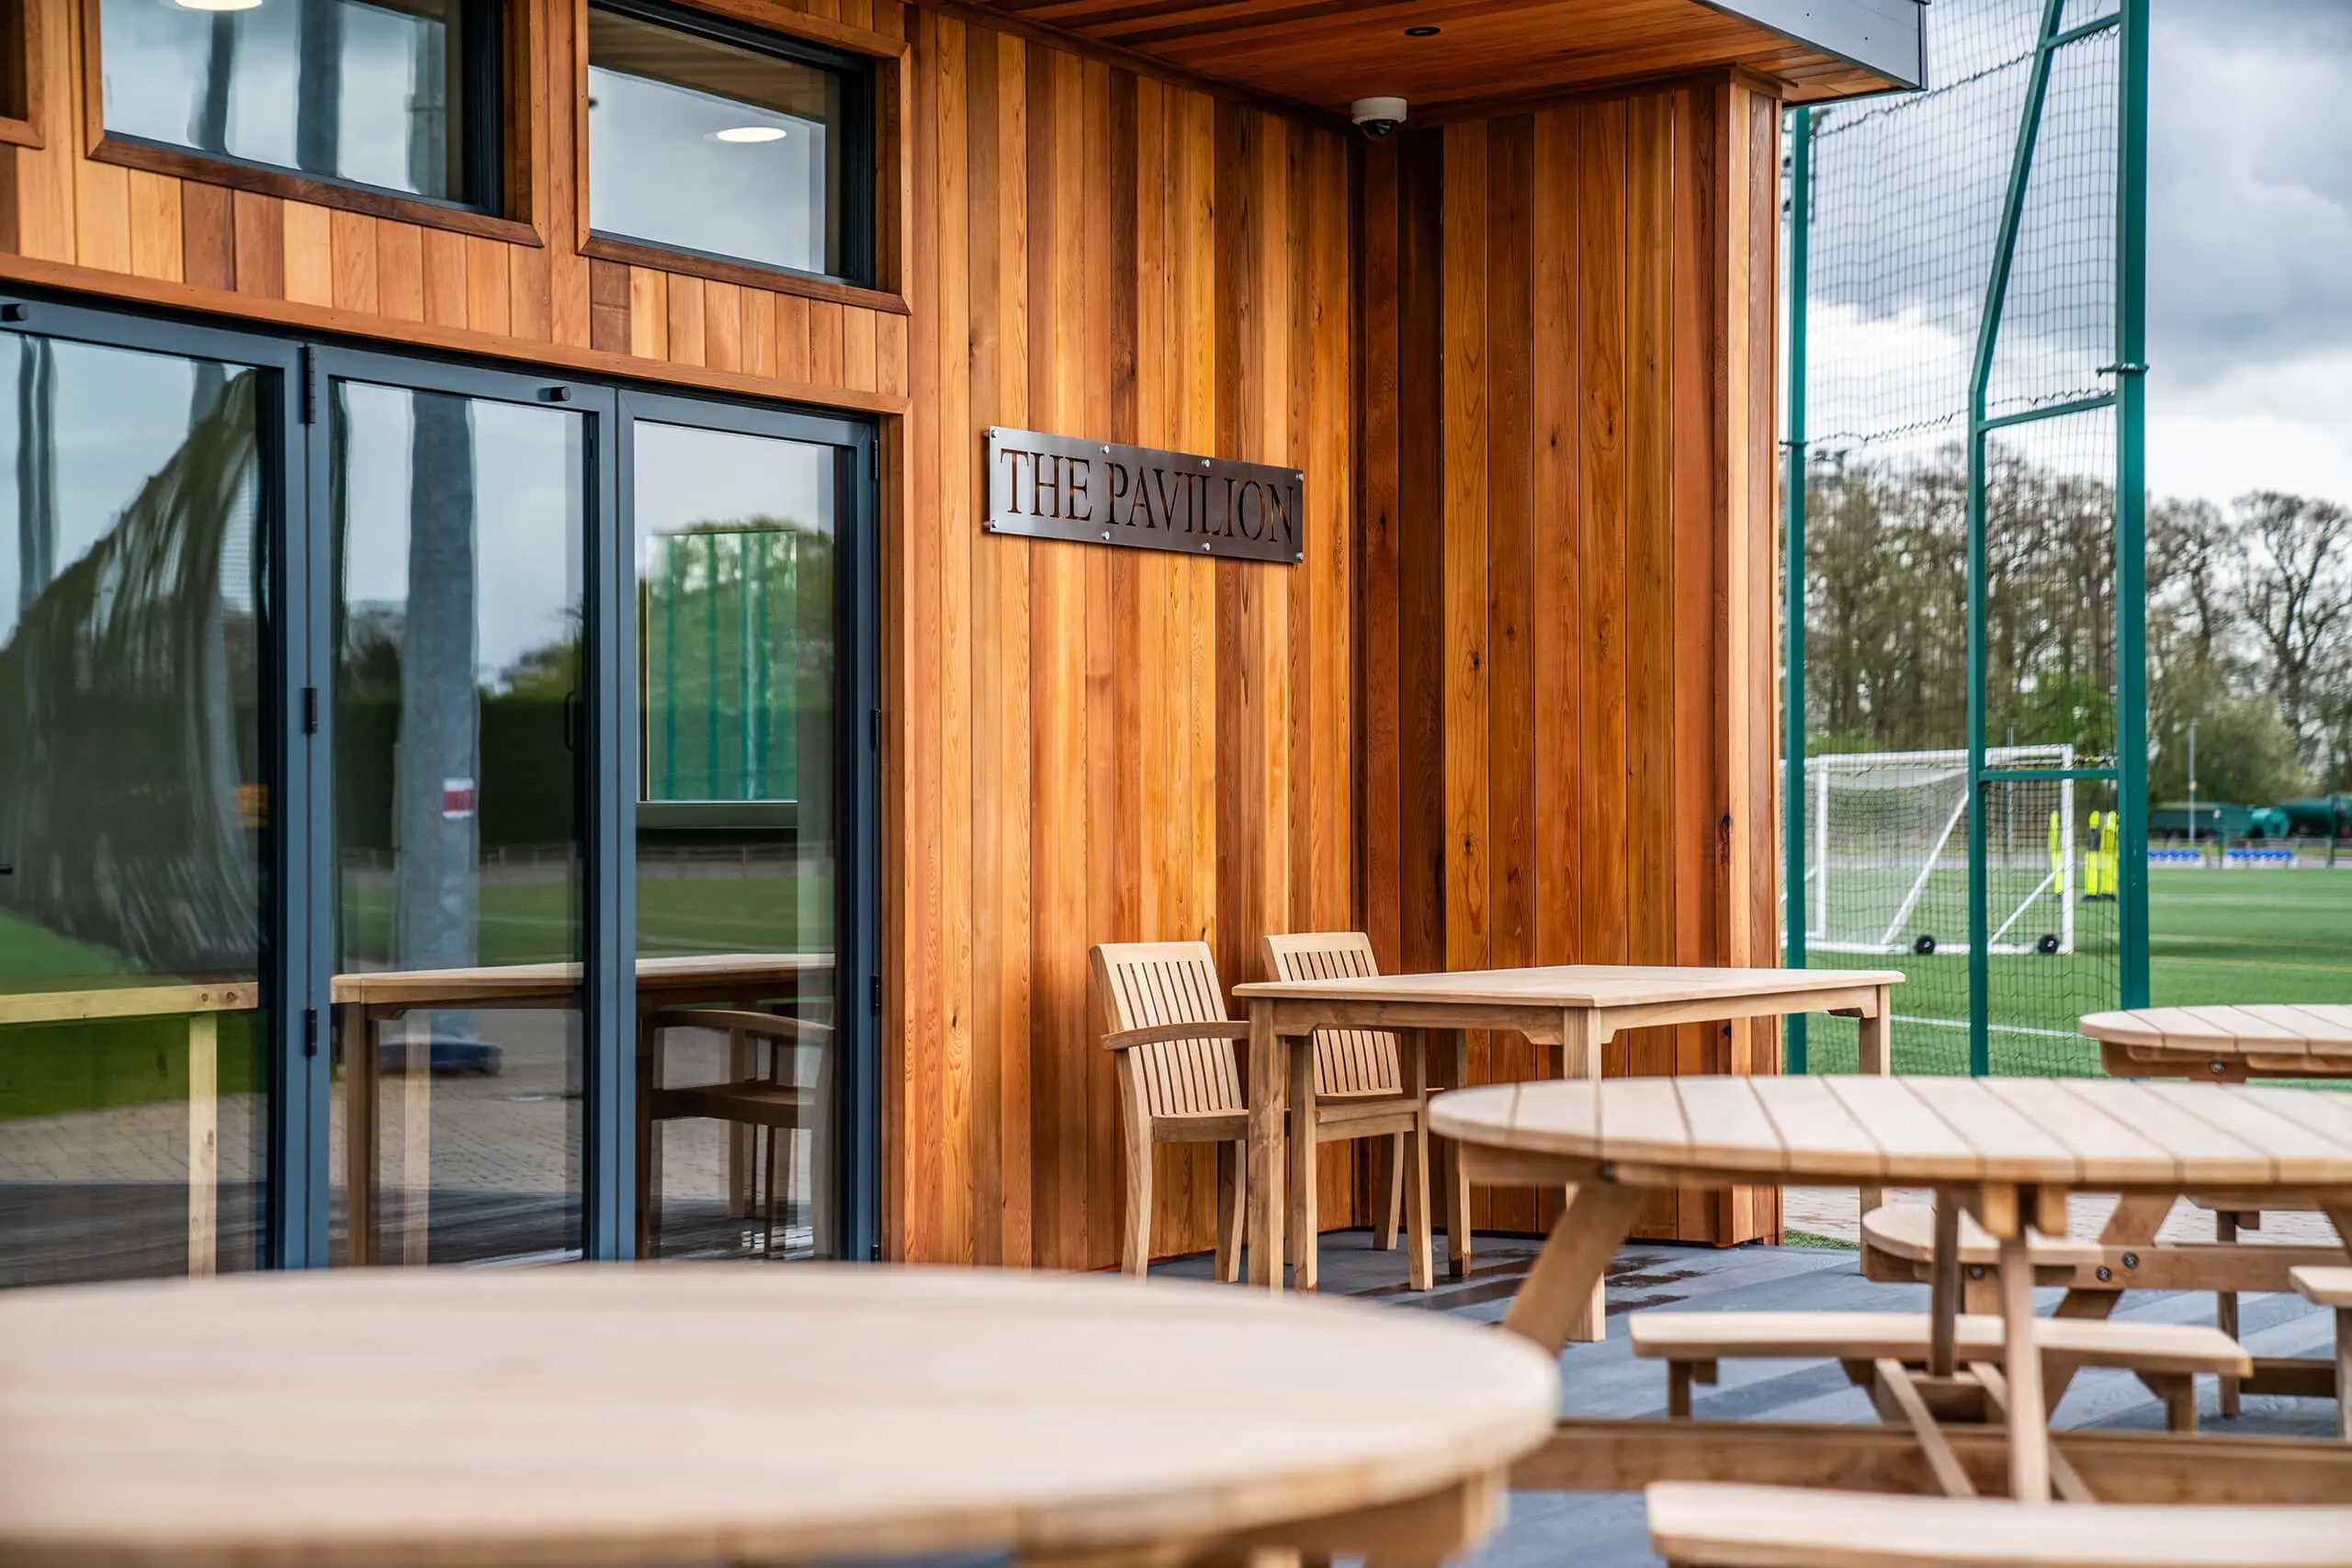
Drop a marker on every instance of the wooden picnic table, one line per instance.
(365, 1000)
(2225, 1044)
(1577, 1006)
(2216, 1044)
(685, 1412)
(201, 1004)
(2009, 1149)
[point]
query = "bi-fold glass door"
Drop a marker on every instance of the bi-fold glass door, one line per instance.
(143, 938)
(392, 755)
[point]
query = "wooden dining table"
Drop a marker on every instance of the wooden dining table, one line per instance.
(2008, 1150)
(686, 1413)
(1577, 1006)
(365, 1002)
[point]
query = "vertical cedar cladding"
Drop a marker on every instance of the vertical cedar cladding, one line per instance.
(1565, 592)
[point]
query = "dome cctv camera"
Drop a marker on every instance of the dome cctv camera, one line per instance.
(1378, 117)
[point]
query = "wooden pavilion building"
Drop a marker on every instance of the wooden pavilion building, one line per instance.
(519, 506)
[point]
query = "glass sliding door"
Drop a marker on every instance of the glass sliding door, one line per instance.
(461, 532)
(738, 679)
(135, 814)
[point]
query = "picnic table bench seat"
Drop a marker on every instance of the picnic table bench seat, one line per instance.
(1713, 1525)
(1899, 1244)
(2332, 1288)
(2163, 1355)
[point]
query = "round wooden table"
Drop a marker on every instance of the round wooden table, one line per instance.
(2225, 1044)
(2007, 1149)
(686, 1413)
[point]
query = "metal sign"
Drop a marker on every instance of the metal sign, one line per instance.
(1051, 487)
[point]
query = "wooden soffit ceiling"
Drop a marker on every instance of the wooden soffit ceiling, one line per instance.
(1327, 54)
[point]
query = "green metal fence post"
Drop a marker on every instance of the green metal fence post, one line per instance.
(2130, 506)
(1792, 683)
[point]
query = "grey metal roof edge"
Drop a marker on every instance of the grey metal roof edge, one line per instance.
(1888, 37)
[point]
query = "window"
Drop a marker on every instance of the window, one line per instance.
(400, 95)
(728, 143)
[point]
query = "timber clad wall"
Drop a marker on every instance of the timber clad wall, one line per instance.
(1514, 706)
(1104, 745)
(1568, 564)
(172, 241)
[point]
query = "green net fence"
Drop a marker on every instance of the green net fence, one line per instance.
(1904, 207)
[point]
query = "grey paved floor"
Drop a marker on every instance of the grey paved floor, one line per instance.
(1606, 1530)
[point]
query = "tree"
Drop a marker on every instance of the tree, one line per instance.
(2293, 558)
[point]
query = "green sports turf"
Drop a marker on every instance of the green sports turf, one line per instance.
(2214, 936)
(49, 1068)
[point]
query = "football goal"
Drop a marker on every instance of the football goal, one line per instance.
(1887, 853)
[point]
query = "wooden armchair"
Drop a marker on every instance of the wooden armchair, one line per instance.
(1364, 1088)
(1179, 1079)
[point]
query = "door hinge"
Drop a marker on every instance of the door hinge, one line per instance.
(874, 996)
(310, 385)
(310, 710)
(874, 730)
(309, 1031)
(873, 461)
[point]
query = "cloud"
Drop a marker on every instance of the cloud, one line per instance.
(2249, 243)
(2250, 186)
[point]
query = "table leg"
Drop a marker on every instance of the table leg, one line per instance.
(1580, 1043)
(1559, 1289)
(1875, 1056)
(1304, 1229)
(738, 1134)
(2135, 1222)
(1417, 1162)
(2029, 1419)
(203, 1141)
(1452, 1179)
(416, 1141)
(2225, 1311)
(1944, 1286)
(355, 1028)
(1269, 1074)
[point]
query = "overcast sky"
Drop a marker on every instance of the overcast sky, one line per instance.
(2250, 247)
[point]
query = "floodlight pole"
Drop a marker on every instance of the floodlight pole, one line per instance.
(1792, 595)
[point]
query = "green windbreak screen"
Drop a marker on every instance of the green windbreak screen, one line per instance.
(720, 605)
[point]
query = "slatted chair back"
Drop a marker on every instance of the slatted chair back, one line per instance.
(1349, 1064)
(1147, 984)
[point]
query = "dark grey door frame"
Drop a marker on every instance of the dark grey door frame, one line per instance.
(856, 783)
(299, 664)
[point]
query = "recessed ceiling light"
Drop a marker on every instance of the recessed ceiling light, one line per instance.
(1422, 32)
(217, 4)
(747, 133)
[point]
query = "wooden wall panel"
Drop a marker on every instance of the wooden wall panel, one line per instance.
(71, 221)
(1105, 745)
(1577, 563)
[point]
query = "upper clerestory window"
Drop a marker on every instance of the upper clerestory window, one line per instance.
(401, 97)
(722, 141)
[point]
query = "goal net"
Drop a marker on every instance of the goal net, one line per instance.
(1887, 853)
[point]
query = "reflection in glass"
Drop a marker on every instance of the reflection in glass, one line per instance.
(372, 94)
(699, 145)
(132, 815)
(737, 842)
(458, 529)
